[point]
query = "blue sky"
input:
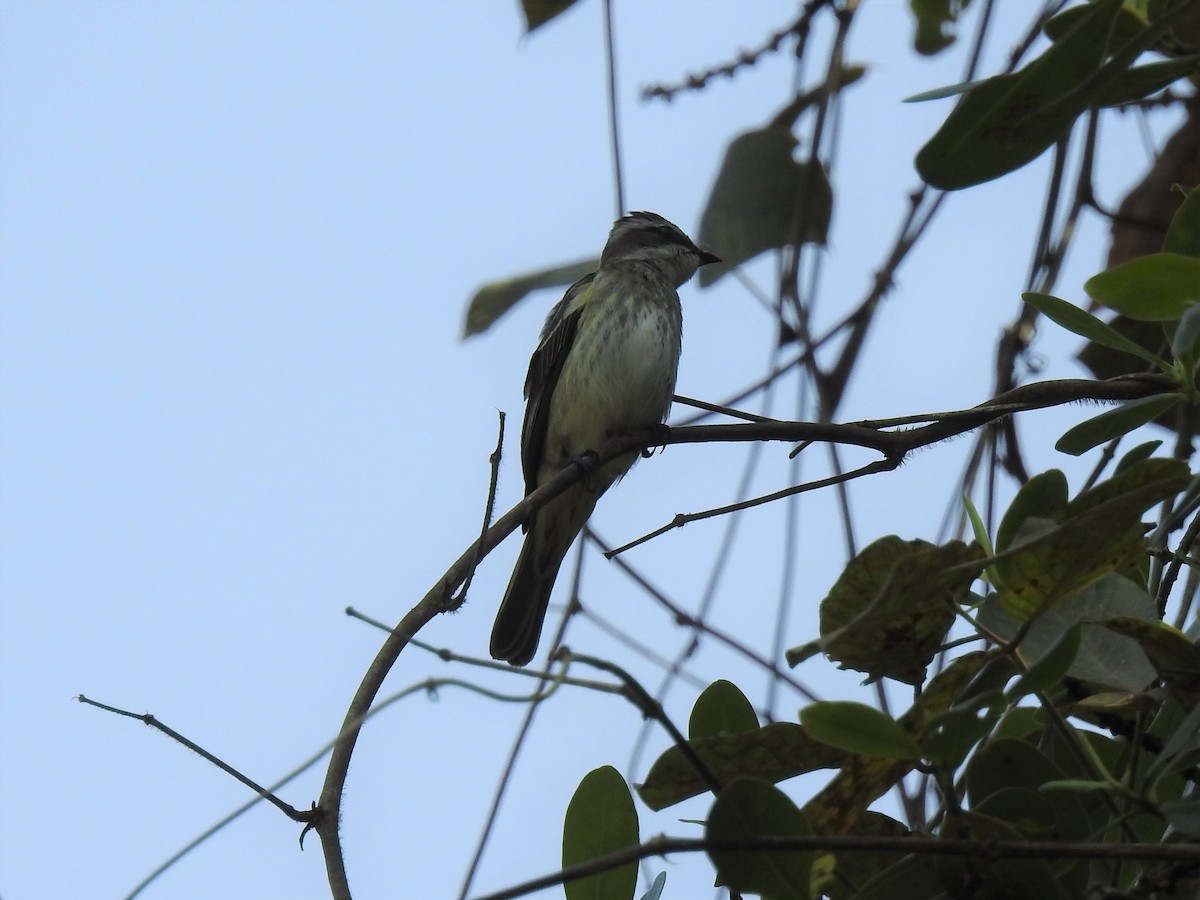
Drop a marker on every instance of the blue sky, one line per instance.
(236, 243)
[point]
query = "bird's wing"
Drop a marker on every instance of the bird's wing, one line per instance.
(542, 379)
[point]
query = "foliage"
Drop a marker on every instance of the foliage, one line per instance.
(1076, 721)
(1051, 745)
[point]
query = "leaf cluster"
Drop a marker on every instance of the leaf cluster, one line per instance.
(1077, 720)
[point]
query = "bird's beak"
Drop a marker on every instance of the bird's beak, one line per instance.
(706, 258)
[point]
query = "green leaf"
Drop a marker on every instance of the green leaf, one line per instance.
(1009, 787)
(1184, 234)
(1139, 82)
(1005, 878)
(1136, 455)
(1060, 561)
(889, 610)
(1156, 287)
(1105, 658)
(1021, 808)
(656, 889)
(775, 752)
(1185, 342)
(1007, 763)
(949, 736)
(1011, 119)
(1179, 749)
(763, 199)
(721, 709)
(1173, 655)
(941, 93)
(749, 809)
(864, 779)
(1183, 816)
(1050, 669)
(493, 300)
(935, 21)
(1123, 50)
(1044, 496)
(539, 12)
(858, 728)
(915, 877)
(853, 869)
(1084, 324)
(1100, 531)
(1185, 31)
(979, 530)
(1114, 423)
(1125, 28)
(600, 820)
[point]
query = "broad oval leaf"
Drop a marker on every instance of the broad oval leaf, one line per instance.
(493, 300)
(858, 728)
(600, 820)
(1021, 808)
(1105, 658)
(1156, 287)
(721, 709)
(1100, 531)
(1010, 120)
(1173, 655)
(1114, 423)
(775, 752)
(763, 199)
(1005, 763)
(749, 809)
(890, 609)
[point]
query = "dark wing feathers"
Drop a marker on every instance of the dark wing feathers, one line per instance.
(542, 379)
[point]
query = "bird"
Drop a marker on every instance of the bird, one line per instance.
(605, 364)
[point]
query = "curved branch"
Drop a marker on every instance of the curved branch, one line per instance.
(894, 445)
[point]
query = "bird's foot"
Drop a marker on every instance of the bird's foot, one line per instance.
(587, 462)
(661, 432)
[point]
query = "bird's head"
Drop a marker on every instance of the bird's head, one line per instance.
(648, 237)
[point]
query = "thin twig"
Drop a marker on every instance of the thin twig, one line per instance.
(651, 709)
(489, 508)
(296, 815)
(610, 64)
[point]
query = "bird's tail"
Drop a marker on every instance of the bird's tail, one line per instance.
(519, 622)
(523, 610)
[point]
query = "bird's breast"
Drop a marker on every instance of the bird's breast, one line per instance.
(619, 375)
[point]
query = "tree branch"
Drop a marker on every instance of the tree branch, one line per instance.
(894, 445)
(982, 850)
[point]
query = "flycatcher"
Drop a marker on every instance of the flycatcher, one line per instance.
(605, 364)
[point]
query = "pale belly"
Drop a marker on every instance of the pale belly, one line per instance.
(619, 377)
